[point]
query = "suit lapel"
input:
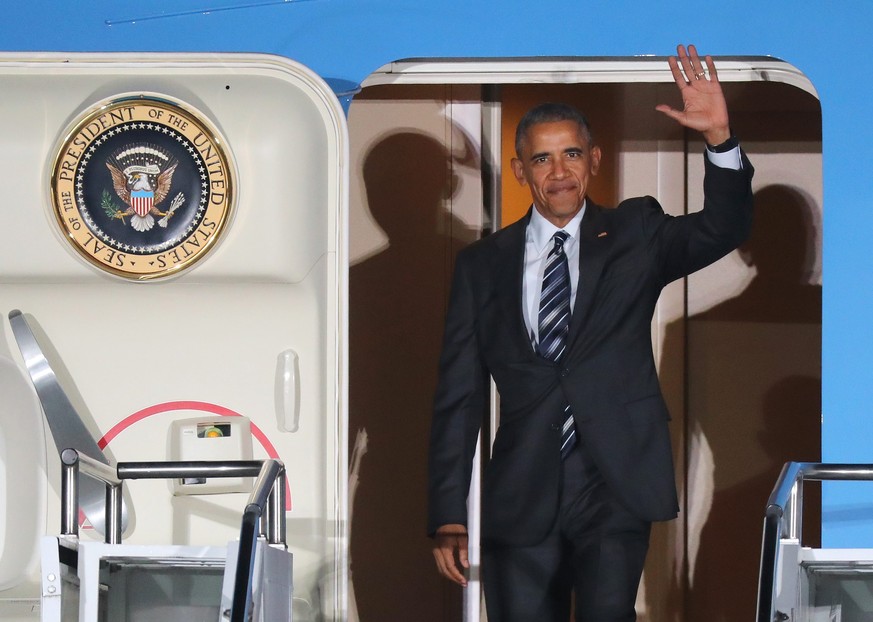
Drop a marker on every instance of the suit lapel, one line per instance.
(510, 271)
(594, 243)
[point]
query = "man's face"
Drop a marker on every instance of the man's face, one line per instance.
(557, 164)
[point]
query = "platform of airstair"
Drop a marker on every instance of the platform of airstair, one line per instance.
(800, 583)
(250, 579)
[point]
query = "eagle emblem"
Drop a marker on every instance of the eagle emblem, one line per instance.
(142, 175)
(125, 169)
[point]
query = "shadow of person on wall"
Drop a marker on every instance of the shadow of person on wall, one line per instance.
(753, 402)
(782, 249)
(728, 561)
(397, 301)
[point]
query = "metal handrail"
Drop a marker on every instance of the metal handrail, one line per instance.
(259, 501)
(267, 498)
(783, 519)
(73, 462)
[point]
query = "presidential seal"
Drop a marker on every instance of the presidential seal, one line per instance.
(142, 187)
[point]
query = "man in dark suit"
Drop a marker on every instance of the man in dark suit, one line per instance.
(557, 310)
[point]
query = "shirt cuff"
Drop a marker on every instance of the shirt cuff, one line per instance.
(727, 159)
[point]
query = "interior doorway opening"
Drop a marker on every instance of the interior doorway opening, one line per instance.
(738, 344)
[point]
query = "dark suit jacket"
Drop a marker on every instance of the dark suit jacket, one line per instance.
(607, 374)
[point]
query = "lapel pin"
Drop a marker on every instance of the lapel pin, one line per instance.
(602, 234)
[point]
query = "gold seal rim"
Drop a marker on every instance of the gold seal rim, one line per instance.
(190, 114)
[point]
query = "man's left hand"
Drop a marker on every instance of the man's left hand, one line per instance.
(705, 109)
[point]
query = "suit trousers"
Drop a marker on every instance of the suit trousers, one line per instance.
(595, 551)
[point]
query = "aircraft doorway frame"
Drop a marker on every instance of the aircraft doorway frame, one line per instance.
(491, 75)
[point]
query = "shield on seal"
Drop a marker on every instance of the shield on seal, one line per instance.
(142, 201)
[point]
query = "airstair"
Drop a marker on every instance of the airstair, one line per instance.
(248, 580)
(803, 584)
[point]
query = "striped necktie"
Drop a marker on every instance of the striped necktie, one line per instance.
(554, 322)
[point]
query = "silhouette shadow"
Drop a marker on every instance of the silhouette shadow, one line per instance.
(753, 402)
(396, 314)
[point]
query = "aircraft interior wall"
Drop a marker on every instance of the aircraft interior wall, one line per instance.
(416, 198)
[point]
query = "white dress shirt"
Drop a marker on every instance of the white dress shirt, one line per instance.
(537, 246)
